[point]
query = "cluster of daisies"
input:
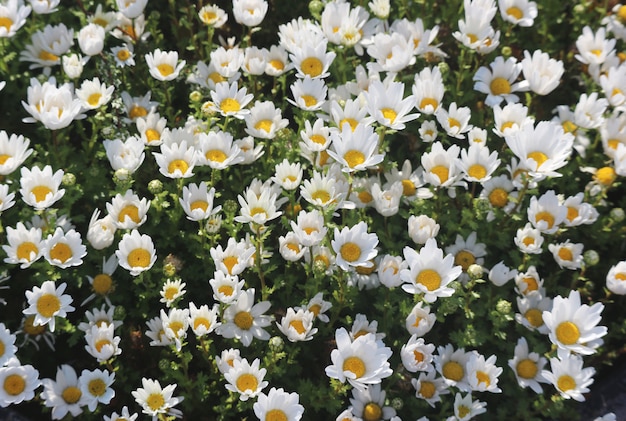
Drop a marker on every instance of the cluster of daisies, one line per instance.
(345, 131)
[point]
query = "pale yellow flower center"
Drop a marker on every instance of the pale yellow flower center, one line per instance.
(139, 257)
(26, 251)
(429, 278)
(350, 252)
(354, 365)
(48, 305)
(526, 369)
(41, 192)
(243, 320)
(14, 384)
(453, 371)
(312, 66)
(71, 395)
(130, 211)
(61, 252)
(567, 333)
(247, 381)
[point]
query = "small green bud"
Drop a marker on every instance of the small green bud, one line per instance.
(475, 271)
(503, 307)
(169, 269)
(121, 176)
(195, 96)
(316, 7)
(579, 9)
(230, 207)
(284, 135)
(69, 179)
(444, 68)
(617, 214)
(397, 404)
(155, 186)
(591, 257)
(506, 51)
(164, 364)
(276, 344)
(119, 313)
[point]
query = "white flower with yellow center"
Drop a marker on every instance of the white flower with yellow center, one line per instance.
(47, 302)
(318, 306)
(465, 408)
(25, 245)
(157, 333)
(568, 255)
(531, 308)
(203, 320)
(467, 252)
(225, 361)
(197, 201)
(249, 12)
(64, 249)
(411, 181)
(102, 344)
(594, 48)
(40, 188)
(477, 164)
(136, 252)
(616, 278)
(245, 320)
(125, 415)
(308, 94)
(246, 379)
(234, 259)
(63, 394)
(439, 165)
(297, 325)
(529, 281)
(175, 325)
(429, 387)
(226, 288)
(257, 209)
(123, 55)
(17, 383)
(353, 113)
(454, 120)
(99, 317)
(389, 269)
(290, 248)
(13, 16)
(217, 150)
(428, 131)
(151, 128)
(417, 355)
(589, 111)
(614, 85)
(277, 61)
(225, 63)
(230, 101)
(321, 190)
(393, 52)
(355, 149)
(527, 367)
(429, 272)
(361, 326)
(542, 72)
(420, 320)
(518, 12)
(171, 291)
(7, 345)
(573, 326)
(498, 191)
(155, 400)
(212, 15)
(47, 44)
(101, 232)
(254, 61)
(264, 120)
(499, 81)
(278, 405)
(388, 106)
(309, 228)
(312, 60)
(6, 199)
(361, 362)
(421, 228)
(510, 118)
(354, 247)
(139, 106)
(369, 404)
(55, 107)
(452, 365)
(546, 213)
(128, 154)
(569, 377)
(288, 175)
(13, 152)
(428, 90)
(177, 160)
(483, 374)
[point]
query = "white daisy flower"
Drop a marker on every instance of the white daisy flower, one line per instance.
(176, 160)
(234, 259)
(229, 101)
(546, 213)
(297, 325)
(354, 246)
(14, 14)
(203, 320)
(499, 81)
(594, 48)
(217, 150)
(518, 12)
(417, 355)
(164, 65)
(355, 149)
(246, 379)
(615, 278)
(389, 269)
(94, 94)
(102, 344)
(257, 209)
(465, 408)
(370, 404)
(428, 90)
(527, 367)
(155, 400)
(13, 152)
(18, 383)
(99, 317)
(477, 164)
(157, 333)
(388, 106)
(249, 12)
(483, 374)
(63, 393)
(125, 415)
(277, 61)
(264, 120)
(25, 245)
(213, 15)
(452, 365)
(454, 120)
(171, 291)
(531, 307)
(95, 387)
(123, 55)
(542, 72)
(226, 288)
(40, 188)
(421, 228)
(47, 302)
(318, 307)
(567, 255)
(175, 325)
(136, 252)
(128, 154)
(128, 211)
(529, 240)
(64, 249)
(439, 164)
(7, 345)
(569, 377)
(429, 387)
(279, 405)
(312, 60)
(308, 94)
(245, 320)
(226, 360)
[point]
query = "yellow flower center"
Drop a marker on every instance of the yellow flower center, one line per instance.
(618, 276)
(477, 171)
(225, 290)
(428, 102)
(153, 135)
(31, 329)
(500, 86)
(48, 305)
(101, 343)
(48, 56)
(453, 371)
(309, 100)
(41, 192)
(453, 122)
(275, 415)
(208, 17)
(605, 175)
(71, 395)
(230, 105)
(102, 284)
(528, 241)
(316, 308)
(351, 122)
(534, 317)
(123, 55)
(14, 384)
(350, 252)
(427, 389)
(365, 196)
(258, 211)
(165, 69)
(216, 155)
(243, 320)
(567, 333)
(538, 157)
(277, 64)
(129, 211)
(464, 259)
(298, 326)
(137, 111)
(312, 66)
(441, 172)
(97, 387)
(94, 99)
(596, 52)
(565, 383)
(201, 321)
(429, 278)
(463, 411)
(506, 125)
(216, 77)
(545, 216)
(199, 204)
(526, 369)
(27, 251)
(247, 381)
(531, 283)
(354, 365)
(4, 158)
(293, 247)
(321, 195)
(265, 125)
(515, 12)
(176, 327)
(178, 165)
(408, 187)
(139, 257)
(323, 259)
(318, 139)
(354, 157)
(483, 377)
(155, 401)
(498, 197)
(2, 348)
(372, 412)
(390, 114)
(61, 252)
(569, 126)
(418, 356)
(230, 262)
(565, 254)
(170, 292)
(6, 23)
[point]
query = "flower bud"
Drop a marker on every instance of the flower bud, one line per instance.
(69, 179)
(617, 214)
(276, 344)
(591, 257)
(155, 186)
(475, 271)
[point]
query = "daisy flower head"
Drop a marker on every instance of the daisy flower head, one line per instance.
(18, 383)
(428, 90)
(136, 252)
(542, 73)
(49, 44)
(63, 394)
(6, 199)
(175, 325)
(229, 101)
(249, 12)
(428, 131)
(47, 302)
(226, 360)
(528, 366)
(369, 404)
(95, 387)
(467, 252)
(124, 55)
(177, 160)
(151, 128)
(171, 291)
(101, 231)
(529, 240)
(483, 373)
(139, 106)
(225, 62)
(14, 149)
(197, 201)
(529, 281)
(13, 14)
(531, 307)
(354, 246)
(226, 288)
(410, 179)
(518, 12)
(568, 255)
(353, 113)
(615, 278)
(99, 317)
(388, 106)
(94, 94)
(25, 245)
(290, 247)
(64, 249)
(218, 150)
(213, 15)
(156, 332)
(277, 61)
(278, 405)
(439, 164)
(312, 60)
(389, 269)
(465, 408)
(387, 202)
(102, 344)
(452, 365)
(297, 325)
(361, 326)
(203, 320)
(125, 415)
(574, 326)
(40, 188)
(499, 81)
(246, 320)
(417, 355)
(429, 387)
(361, 362)
(308, 94)
(264, 120)
(355, 149)
(477, 164)
(594, 48)
(429, 272)
(131, 9)
(569, 377)
(7, 345)
(546, 213)
(127, 155)
(288, 175)
(318, 306)
(246, 379)
(54, 107)
(393, 52)
(155, 400)
(257, 209)
(234, 259)
(128, 211)
(421, 228)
